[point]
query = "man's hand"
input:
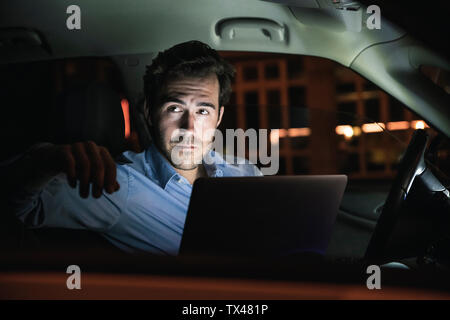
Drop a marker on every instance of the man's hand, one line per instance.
(84, 162)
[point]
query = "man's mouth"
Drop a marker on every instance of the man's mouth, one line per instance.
(185, 146)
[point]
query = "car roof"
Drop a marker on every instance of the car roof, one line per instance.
(143, 26)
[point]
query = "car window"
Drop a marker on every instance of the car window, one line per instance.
(289, 114)
(325, 117)
(320, 116)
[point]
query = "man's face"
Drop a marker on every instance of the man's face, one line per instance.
(185, 119)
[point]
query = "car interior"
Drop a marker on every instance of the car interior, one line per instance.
(343, 98)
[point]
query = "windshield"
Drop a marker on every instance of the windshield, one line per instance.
(311, 115)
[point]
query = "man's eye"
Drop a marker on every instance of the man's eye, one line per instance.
(174, 109)
(203, 112)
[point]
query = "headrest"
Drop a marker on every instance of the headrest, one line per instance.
(90, 112)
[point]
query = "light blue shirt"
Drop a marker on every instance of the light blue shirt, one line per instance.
(146, 214)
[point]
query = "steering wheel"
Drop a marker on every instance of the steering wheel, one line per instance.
(411, 166)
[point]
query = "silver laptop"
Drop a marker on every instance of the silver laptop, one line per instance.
(262, 216)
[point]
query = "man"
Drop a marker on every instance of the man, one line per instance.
(141, 205)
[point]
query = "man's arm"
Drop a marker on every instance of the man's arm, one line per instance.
(25, 178)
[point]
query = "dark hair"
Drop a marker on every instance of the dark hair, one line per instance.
(192, 58)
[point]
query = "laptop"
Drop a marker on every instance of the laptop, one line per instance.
(262, 216)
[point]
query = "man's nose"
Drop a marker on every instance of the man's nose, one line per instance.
(187, 121)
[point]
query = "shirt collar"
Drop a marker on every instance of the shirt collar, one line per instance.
(163, 171)
(210, 162)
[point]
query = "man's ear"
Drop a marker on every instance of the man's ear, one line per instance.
(147, 113)
(221, 111)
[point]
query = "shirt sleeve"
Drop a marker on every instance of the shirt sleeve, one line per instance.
(59, 205)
